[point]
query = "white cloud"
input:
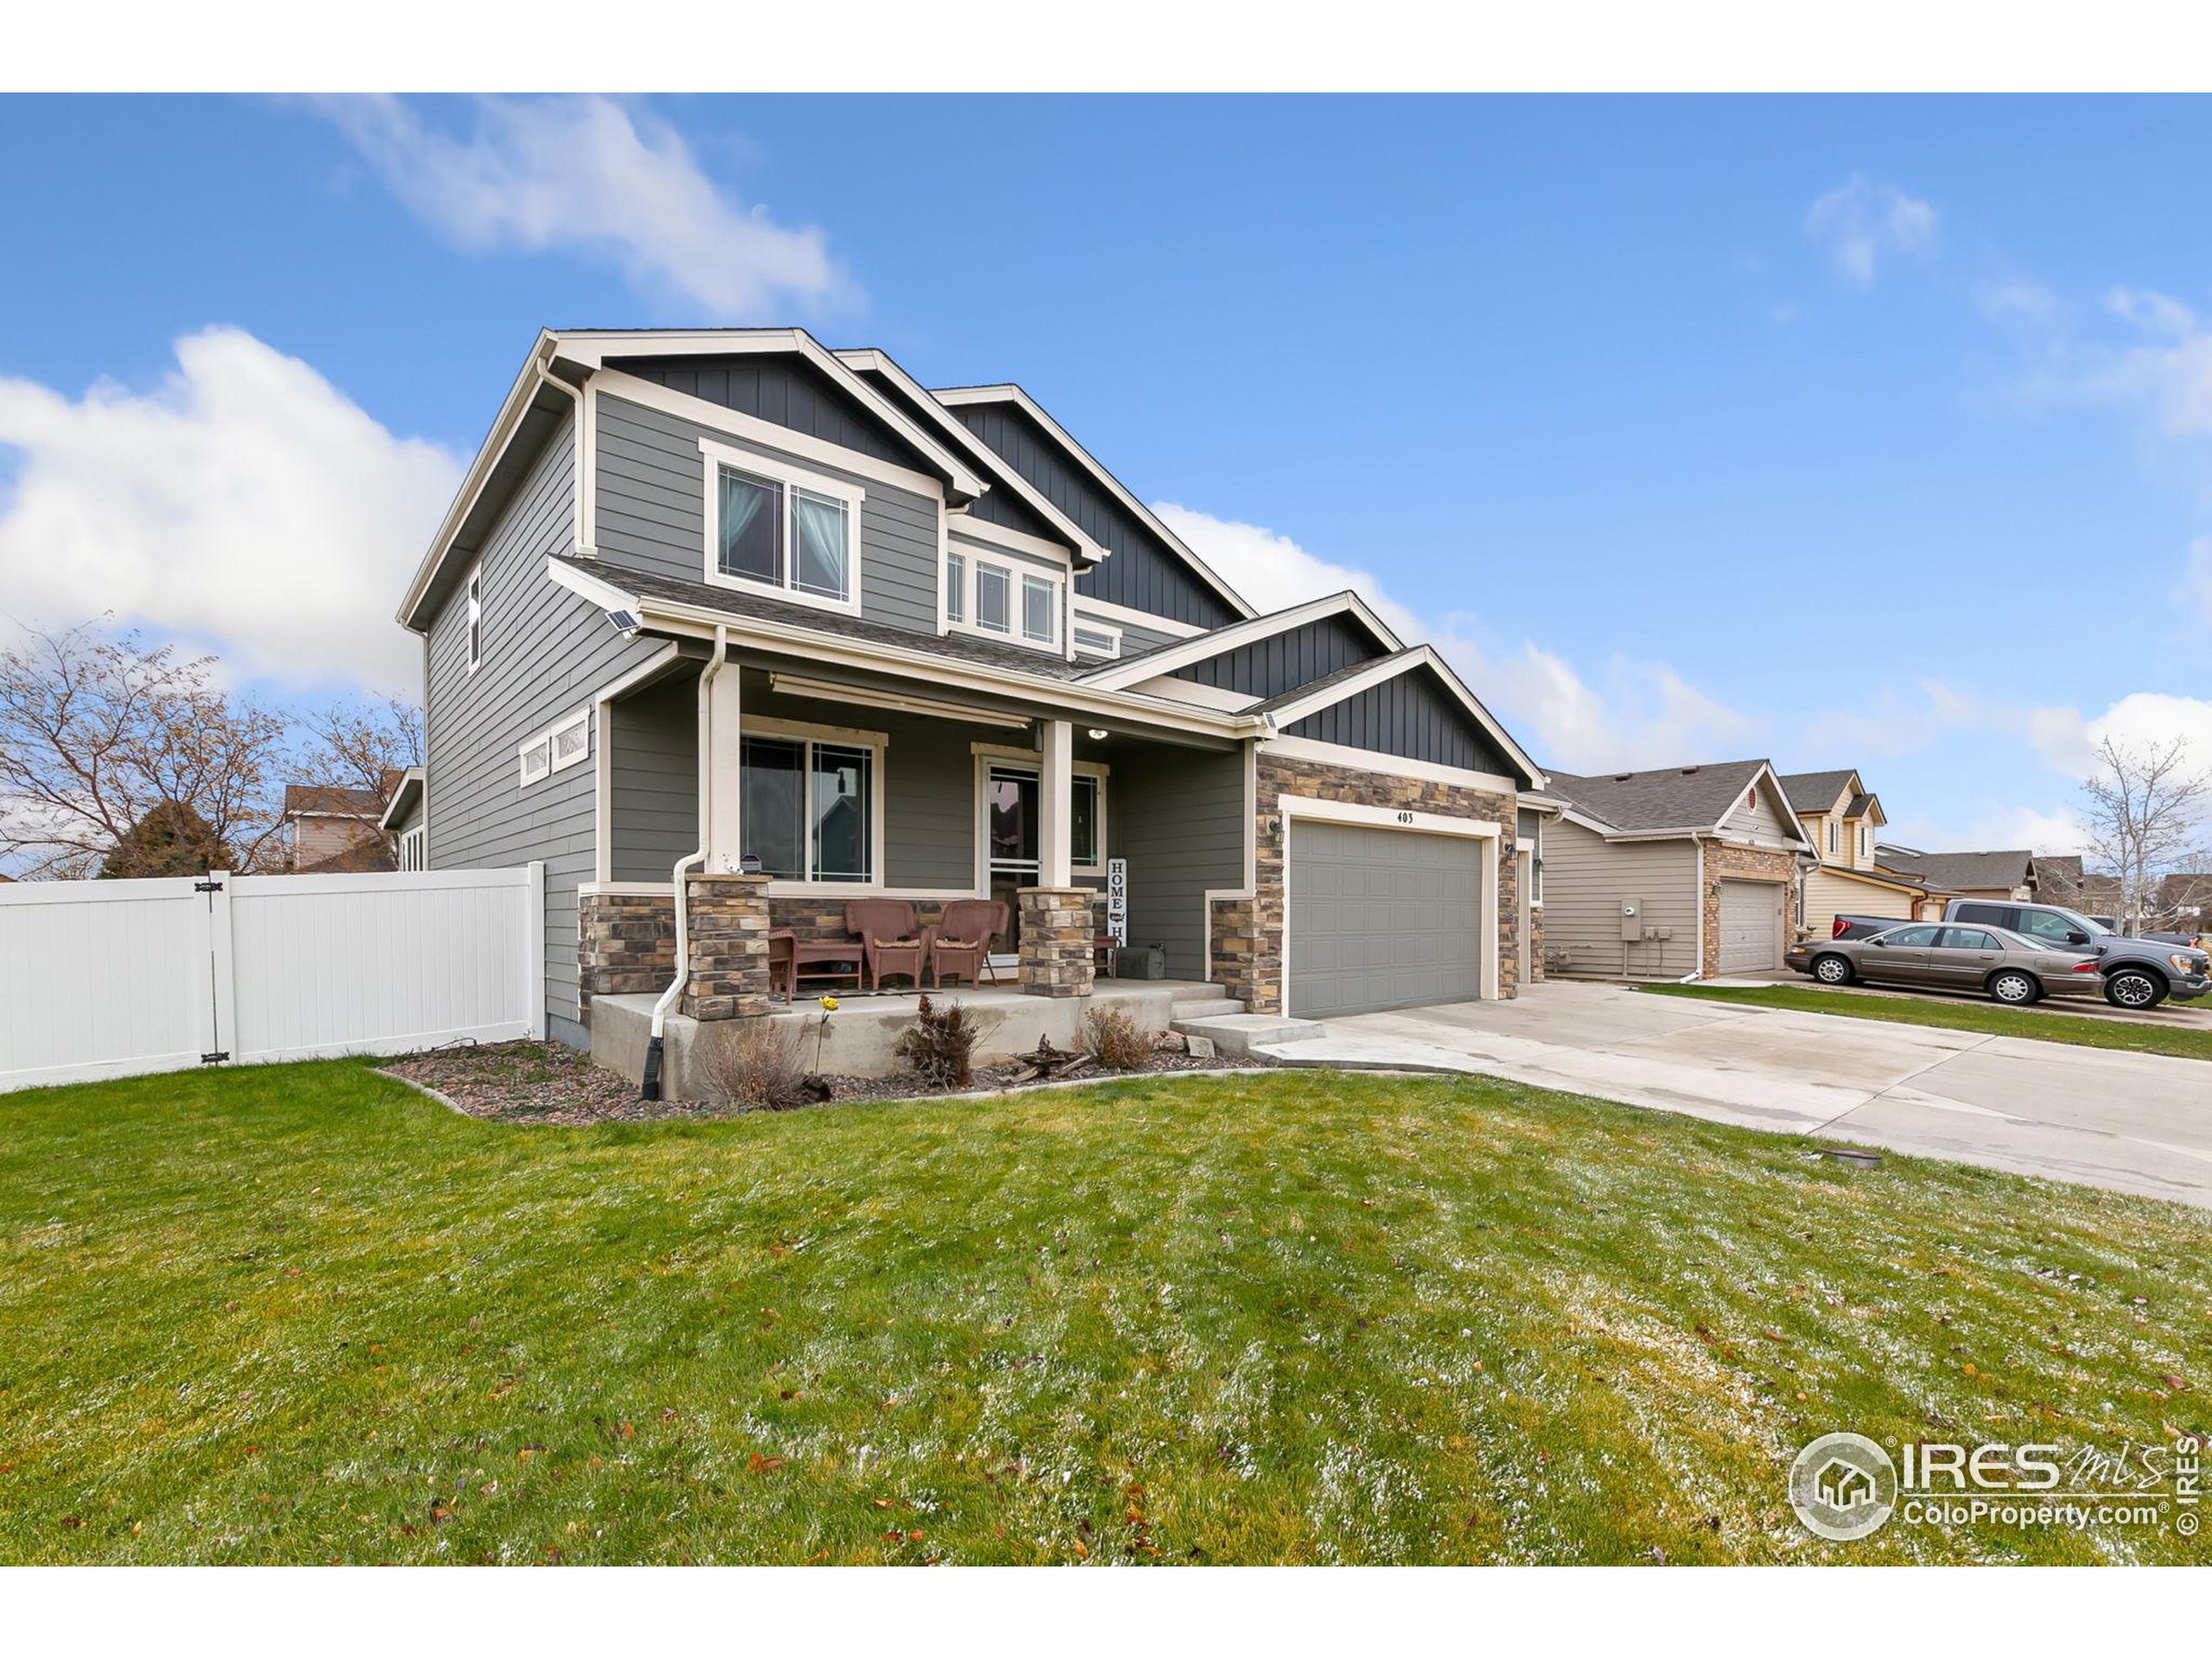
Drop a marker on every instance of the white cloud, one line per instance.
(2067, 739)
(245, 505)
(1862, 223)
(590, 173)
(1639, 713)
(1884, 724)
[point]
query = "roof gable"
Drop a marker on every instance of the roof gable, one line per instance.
(1415, 714)
(787, 390)
(1818, 791)
(1683, 798)
(1281, 662)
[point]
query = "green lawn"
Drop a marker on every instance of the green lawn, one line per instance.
(2085, 1031)
(303, 1314)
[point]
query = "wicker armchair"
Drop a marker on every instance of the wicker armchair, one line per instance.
(962, 943)
(890, 942)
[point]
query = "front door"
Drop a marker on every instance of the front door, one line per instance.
(1011, 806)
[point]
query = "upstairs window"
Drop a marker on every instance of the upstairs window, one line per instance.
(771, 527)
(475, 618)
(1040, 610)
(1096, 640)
(956, 587)
(994, 598)
(1832, 835)
(985, 596)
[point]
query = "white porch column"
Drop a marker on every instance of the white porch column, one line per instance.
(1056, 804)
(718, 768)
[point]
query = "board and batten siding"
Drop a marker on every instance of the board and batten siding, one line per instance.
(652, 511)
(1413, 716)
(781, 390)
(1283, 661)
(1142, 571)
(546, 652)
(1136, 637)
(1586, 878)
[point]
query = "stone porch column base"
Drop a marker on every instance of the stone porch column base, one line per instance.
(727, 925)
(1056, 933)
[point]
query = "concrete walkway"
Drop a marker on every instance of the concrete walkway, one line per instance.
(2135, 1122)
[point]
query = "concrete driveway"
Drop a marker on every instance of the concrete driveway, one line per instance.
(2136, 1123)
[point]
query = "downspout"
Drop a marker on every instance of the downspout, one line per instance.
(576, 492)
(1692, 978)
(649, 1088)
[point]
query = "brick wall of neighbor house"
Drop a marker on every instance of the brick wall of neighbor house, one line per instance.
(625, 945)
(1247, 942)
(1746, 864)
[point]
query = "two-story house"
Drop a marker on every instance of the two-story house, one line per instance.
(1843, 819)
(731, 625)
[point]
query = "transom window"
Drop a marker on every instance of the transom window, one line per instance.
(1096, 640)
(773, 527)
(807, 808)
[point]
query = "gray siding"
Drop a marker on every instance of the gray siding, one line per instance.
(1586, 879)
(1143, 573)
(411, 819)
(545, 653)
(1411, 715)
(1178, 815)
(652, 511)
(1759, 818)
(1283, 661)
(1134, 636)
(782, 389)
(653, 805)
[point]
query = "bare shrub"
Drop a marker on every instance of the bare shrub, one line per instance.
(759, 1067)
(1115, 1041)
(939, 1047)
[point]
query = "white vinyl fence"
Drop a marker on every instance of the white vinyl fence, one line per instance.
(102, 979)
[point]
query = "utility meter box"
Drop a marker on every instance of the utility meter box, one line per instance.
(1632, 919)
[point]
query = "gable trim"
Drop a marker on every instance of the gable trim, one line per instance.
(957, 397)
(1220, 641)
(1028, 493)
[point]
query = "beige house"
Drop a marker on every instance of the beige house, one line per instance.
(1678, 873)
(1843, 820)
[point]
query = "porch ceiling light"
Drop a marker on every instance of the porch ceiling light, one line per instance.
(1097, 734)
(799, 686)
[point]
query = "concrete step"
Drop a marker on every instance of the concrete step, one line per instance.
(1193, 991)
(1206, 1007)
(1236, 1035)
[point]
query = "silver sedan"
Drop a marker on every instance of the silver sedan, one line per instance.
(1947, 955)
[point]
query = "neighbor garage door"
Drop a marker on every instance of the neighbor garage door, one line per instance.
(1382, 919)
(1751, 927)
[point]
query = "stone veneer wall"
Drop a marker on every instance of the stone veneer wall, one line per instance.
(1724, 859)
(728, 925)
(625, 945)
(1057, 929)
(1533, 946)
(1248, 933)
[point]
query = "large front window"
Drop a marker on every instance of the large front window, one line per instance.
(806, 809)
(784, 533)
(1014, 807)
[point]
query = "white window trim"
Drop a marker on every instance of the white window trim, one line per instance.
(977, 561)
(1016, 759)
(776, 470)
(549, 737)
(473, 620)
(1106, 630)
(843, 737)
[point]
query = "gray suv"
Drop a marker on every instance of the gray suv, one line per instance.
(2137, 973)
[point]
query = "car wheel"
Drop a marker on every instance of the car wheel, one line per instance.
(2017, 989)
(1832, 970)
(2133, 989)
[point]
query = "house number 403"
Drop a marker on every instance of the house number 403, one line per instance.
(1405, 817)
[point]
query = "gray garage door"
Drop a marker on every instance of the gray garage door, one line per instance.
(1751, 927)
(1381, 918)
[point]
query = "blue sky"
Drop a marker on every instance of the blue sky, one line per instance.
(1865, 432)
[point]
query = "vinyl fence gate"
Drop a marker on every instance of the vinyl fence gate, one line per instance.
(106, 979)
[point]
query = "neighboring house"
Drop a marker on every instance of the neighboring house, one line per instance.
(2059, 879)
(2182, 903)
(403, 822)
(1971, 875)
(335, 831)
(1680, 872)
(727, 599)
(1843, 819)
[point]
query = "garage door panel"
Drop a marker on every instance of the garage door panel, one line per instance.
(1751, 927)
(1382, 919)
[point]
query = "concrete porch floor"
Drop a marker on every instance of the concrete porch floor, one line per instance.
(860, 1038)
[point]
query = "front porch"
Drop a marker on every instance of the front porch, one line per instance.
(839, 784)
(859, 1039)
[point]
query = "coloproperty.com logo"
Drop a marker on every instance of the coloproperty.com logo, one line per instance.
(1846, 1486)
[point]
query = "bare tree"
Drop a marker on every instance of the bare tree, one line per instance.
(97, 732)
(359, 745)
(2146, 807)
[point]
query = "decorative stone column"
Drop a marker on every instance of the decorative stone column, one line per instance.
(1056, 934)
(727, 925)
(625, 943)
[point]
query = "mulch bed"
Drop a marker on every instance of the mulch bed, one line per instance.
(550, 1083)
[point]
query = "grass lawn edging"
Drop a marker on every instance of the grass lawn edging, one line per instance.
(2080, 1031)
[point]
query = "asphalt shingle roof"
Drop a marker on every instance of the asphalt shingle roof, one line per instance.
(333, 800)
(1954, 871)
(1814, 791)
(1668, 797)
